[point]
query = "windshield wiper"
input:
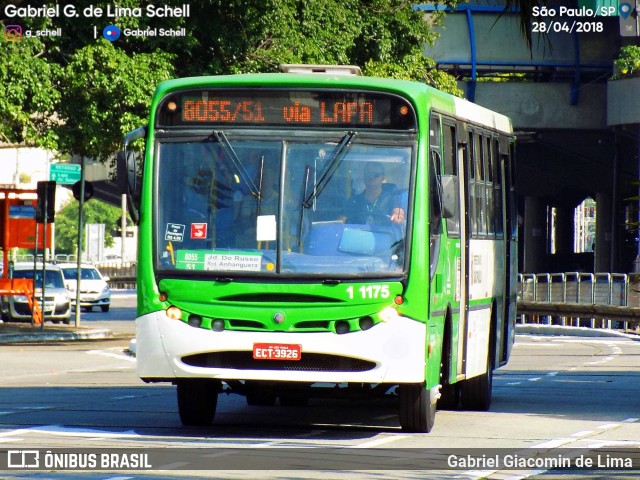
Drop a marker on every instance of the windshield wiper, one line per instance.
(237, 163)
(334, 162)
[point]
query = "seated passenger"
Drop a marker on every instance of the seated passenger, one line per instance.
(378, 203)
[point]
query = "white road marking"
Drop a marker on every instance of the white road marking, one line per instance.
(112, 354)
(584, 433)
(380, 441)
(71, 432)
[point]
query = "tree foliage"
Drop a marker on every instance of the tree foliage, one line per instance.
(94, 212)
(112, 90)
(28, 95)
(78, 93)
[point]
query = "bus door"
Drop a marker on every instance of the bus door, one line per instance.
(455, 153)
(510, 222)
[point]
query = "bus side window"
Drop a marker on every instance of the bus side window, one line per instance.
(473, 213)
(451, 170)
(480, 186)
(497, 185)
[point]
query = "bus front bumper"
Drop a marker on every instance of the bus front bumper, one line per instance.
(393, 351)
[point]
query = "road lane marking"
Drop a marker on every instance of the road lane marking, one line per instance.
(71, 432)
(380, 441)
(584, 433)
(608, 426)
(112, 354)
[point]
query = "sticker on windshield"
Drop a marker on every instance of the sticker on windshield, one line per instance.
(218, 261)
(174, 232)
(198, 231)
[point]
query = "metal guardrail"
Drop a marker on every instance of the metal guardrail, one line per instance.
(596, 300)
(121, 274)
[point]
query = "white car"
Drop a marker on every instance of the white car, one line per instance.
(94, 289)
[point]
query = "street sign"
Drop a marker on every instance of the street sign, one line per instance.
(22, 211)
(64, 173)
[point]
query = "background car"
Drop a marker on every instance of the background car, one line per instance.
(94, 289)
(57, 304)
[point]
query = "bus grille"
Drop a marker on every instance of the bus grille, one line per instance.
(310, 362)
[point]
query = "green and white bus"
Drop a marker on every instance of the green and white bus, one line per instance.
(317, 228)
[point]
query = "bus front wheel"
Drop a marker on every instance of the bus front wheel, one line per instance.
(197, 401)
(417, 410)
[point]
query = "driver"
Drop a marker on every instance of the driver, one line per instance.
(378, 203)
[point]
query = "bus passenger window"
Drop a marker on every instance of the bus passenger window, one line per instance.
(450, 169)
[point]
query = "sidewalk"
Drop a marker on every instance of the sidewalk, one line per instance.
(560, 331)
(27, 333)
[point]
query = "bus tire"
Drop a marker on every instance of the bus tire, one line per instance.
(417, 409)
(197, 401)
(475, 393)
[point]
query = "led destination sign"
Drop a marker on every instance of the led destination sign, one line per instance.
(287, 108)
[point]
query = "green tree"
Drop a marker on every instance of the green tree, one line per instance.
(28, 95)
(106, 94)
(95, 211)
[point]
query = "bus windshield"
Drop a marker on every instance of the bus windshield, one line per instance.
(329, 205)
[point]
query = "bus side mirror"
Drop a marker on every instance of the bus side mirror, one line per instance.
(127, 176)
(127, 168)
(449, 196)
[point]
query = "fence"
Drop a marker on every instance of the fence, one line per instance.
(608, 298)
(121, 274)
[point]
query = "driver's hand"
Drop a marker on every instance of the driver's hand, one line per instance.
(397, 215)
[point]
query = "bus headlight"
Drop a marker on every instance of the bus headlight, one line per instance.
(389, 314)
(174, 313)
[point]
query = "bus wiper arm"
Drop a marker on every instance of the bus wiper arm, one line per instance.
(334, 162)
(237, 163)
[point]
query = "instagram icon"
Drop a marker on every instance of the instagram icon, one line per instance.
(13, 33)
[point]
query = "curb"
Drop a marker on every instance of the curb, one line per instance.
(61, 336)
(561, 331)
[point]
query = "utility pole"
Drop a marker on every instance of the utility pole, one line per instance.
(80, 238)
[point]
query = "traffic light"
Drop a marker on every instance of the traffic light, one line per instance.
(88, 190)
(46, 201)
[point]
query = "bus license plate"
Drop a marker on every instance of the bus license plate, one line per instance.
(276, 351)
